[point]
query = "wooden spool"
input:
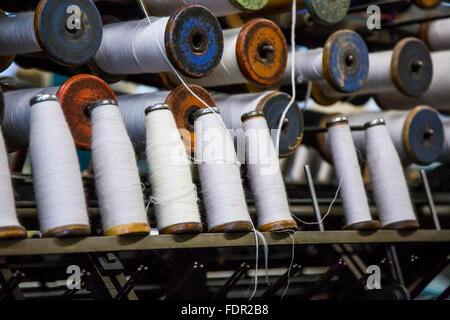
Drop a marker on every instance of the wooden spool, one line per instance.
(70, 47)
(411, 67)
(292, 131)
(184, 105)
(75, 95)
(261, 52)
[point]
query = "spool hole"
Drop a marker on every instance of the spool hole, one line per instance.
(87, 111)
(428, 134)
(417, 66)
(198, 41)
(266, 52)
(284, 126)
(189, 117)
(349, 60)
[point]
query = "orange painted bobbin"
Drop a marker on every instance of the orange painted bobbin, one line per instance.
(261, 52)
(75, 95)
(183, 105)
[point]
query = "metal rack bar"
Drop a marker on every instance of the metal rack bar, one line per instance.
(207, 240)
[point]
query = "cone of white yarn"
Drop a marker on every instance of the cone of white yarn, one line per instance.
(390, 190)
(264, 174)
(222, 190)
(345, 160)
(173, 193)
(9, 225)
(116, 174)
(56, 172)
(132, 107)
(16, 121)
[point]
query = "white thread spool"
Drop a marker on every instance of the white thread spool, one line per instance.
(17, 34)
(16, 121)
(132, 47)
(220, 8)
(345, 160)
(132, 107)
(264, 174)
(116, 174)
(57, 179)
(437, 34)
(308, 66)
(445, 155)
(218, 167)
(417, 134)
(437, 95)
(174, 194)
(9, 225)
(390, 190)
(227, 71)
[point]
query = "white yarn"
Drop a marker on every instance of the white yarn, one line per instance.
(222, 190)
(16, 121)
(445, 154)
(347, 168)
(17, 35)
(264, 173)
(378, 78)
(324, 173)
(232, 107)
(388, 181)
(227, 71)
(173, 193)
(308, 66)
(438, 34)
(116, 174)
(8, 215)
(56, 171)
(161, 8)
(437, 95)
(132, 108)
(395, 122)
(133, 47)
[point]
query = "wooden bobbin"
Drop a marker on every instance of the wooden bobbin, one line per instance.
(278, 226)
(320, 137)
(72, 230)
(13, 232)
(402, 225)
(129, 229)
(249, 5)
(261, 52)
(363, 225)
(323, 11)
(345, 61)
(2, 105)
(411, 67)
(5, 61)
(291, 136)
(427, 4)
(65, 44)
(235, 226)
(183, 228)
(184, 105)
(423, 135)
(201, 53)
(320, 97)
(75, 95)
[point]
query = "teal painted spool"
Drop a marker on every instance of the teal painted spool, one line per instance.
(327, 12)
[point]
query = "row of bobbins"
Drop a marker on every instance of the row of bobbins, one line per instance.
(389, 185)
